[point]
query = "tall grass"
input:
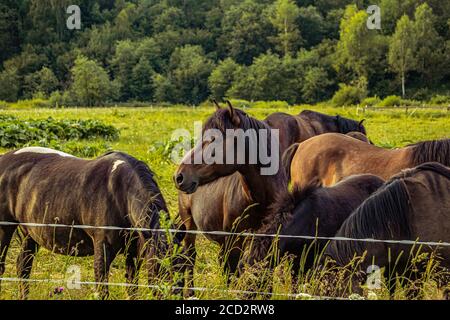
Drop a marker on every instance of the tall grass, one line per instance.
(145, 133)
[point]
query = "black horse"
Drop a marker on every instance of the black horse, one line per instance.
(313, 211)
(413, 205)
(39, 185)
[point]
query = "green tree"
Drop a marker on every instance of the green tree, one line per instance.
(312, 25)
(123, 63)
(283, 15)
(9, 85)
(142, 86)
(315, 85)
(222, 78)
(189, 70)
(428, 53)
(356, 46)
(91, 84)
(9, 29)
(43, 82)
(401, 49)
(269, 78)
(245, 31)
(164, 89)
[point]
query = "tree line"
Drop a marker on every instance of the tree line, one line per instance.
(186, 51)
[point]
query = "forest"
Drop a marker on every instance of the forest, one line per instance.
(188, 51)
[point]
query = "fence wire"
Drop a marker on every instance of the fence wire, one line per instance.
(223, 233)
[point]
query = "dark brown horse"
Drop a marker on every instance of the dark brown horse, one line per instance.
(308, 123)
(313, 211)
(45, 186)
(413, 205)
(220, 194)
(331, 157)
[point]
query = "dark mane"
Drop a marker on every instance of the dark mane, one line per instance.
(146, 176)
(221, 120)
(428, 166)
(384, 215)
(280, 212)
(431, 151)
(346, 125)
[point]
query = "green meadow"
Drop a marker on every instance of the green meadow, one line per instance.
(145, 133)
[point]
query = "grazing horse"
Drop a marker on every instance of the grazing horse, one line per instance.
(216, 197)
(413, 205)
(331, 157)
(313, 211)
(45, 186)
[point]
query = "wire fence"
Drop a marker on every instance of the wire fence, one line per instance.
(198, 232)
(222, 233)
(160, 287)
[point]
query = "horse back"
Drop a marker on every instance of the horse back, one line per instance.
(55, 188)
(429, 197)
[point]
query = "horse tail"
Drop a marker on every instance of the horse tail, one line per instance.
(286, 159)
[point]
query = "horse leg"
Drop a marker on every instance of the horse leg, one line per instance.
(191, 253)
(103, 257)
(6, 234)
(25, 264)
(229, 259)
(132, 263)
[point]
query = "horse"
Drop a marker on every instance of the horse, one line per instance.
(217, 197)
(45, 186)
(332, 156)
(413, 205)
(312, 211)
(309, 123)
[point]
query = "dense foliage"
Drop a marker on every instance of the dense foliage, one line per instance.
(185, 51)
(15, 133)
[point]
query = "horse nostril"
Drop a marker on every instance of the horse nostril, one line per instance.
(179, 178)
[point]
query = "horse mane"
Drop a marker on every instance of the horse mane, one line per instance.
(346, 125)
(146, 176)
(428, 166)
(222, 121)
(286, 159)
(279, 213)
(431, 151)
(384, 215)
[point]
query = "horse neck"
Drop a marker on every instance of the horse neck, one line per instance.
(263, 188)
(315, 126)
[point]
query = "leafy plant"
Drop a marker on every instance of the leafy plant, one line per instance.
(15, 133)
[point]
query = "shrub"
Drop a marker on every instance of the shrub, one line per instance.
(391, 101)
(15, 133)
(371, 101)
(347, 95)
(270, 104)
(440, 99)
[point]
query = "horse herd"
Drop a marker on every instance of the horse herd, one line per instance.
(332, 182)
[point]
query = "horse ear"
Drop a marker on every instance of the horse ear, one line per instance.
(361, 122)
(234, 117)
(216, 104)
(180, 234)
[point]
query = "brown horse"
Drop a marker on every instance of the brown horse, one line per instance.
(331, 157)
(308, 123)
(40, 185)
(220, 194)
(413, 205)
(313, 211)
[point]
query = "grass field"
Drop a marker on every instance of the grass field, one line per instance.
(145, 133)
